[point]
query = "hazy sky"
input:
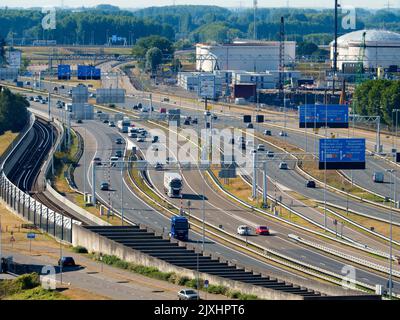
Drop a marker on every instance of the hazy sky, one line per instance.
(223, 3)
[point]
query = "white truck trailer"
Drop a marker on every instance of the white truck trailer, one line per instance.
(173, 184)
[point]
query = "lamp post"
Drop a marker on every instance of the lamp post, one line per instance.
(392, 173)
(397, 123)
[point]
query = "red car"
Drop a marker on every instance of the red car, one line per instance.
(262, 230)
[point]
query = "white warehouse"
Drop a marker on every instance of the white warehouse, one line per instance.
(382, 48)
(253, 56)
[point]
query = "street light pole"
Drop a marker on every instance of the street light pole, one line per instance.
(390, 282)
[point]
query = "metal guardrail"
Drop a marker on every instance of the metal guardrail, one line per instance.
(356, 224)
(345, 256)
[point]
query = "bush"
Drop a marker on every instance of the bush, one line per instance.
(27, 281)
(79, 249)
(182, 281)
(217, 289)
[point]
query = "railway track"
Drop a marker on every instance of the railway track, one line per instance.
(26, 170)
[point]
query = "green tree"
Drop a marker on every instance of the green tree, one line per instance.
(144, 44)
(13, 111)
(153, 58)
(2, 52)
(306, 48)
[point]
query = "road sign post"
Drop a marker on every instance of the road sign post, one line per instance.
(206, 287)
(30, 236)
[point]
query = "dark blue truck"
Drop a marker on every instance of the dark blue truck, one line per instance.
(180, 228)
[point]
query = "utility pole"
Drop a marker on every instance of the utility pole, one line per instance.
(335, 47)
(392, 173)
(255, 19)
(93, 183)
(254, 184)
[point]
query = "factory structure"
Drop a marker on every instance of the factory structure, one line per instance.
(240, 68)
(251, 56)
(227, 82)
(375, 48)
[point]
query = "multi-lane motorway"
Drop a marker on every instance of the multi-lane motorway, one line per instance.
(100, 140)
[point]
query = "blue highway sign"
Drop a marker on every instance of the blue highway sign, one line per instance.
(321, 115)
(342, 153)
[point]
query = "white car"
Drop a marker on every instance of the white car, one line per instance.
(283, 133)
(243, 230)
(260, 147)
(140, 139)
(188, 294)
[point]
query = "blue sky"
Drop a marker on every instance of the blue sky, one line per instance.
(376, 4)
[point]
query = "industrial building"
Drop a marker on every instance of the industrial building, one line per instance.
(252, 56)
(376, 48)
(190, 81)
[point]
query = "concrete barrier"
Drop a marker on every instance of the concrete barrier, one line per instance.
(76, 208)
(97, 243)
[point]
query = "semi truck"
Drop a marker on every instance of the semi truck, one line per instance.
(173, 184)
(179, 228)
(123, 125)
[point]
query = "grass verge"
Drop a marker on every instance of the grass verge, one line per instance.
(171, 277)
(27, 287)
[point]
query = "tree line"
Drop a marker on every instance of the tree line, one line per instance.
(193, 23)
(13, 111)
(378, 98)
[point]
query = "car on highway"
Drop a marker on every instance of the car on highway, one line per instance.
(283, 133)
(135, 107)
(283, 166)
(62, 87)
(97, 161)
(262, 230)
(111, 124)
(186, 122)
(214, 116)
(250, 126)
(243, 145)
(55, 89)
(243, 230)
(267, 132)
(104, 186)
(270, 154)
(158, 166)
(170, 160)
(310, 184)
(118, 153)
(118, 141)
(378, 177)
(132, 135)
(195, 121)
(140, 139)
(114, 159)
(188, 294)
(105, 121)
(260, 147)
(43, 101)
(155, 139)
(36, 99)
(66, 262)
(31, 98)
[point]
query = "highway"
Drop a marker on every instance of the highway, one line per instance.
(102, 138)
(105, 138)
